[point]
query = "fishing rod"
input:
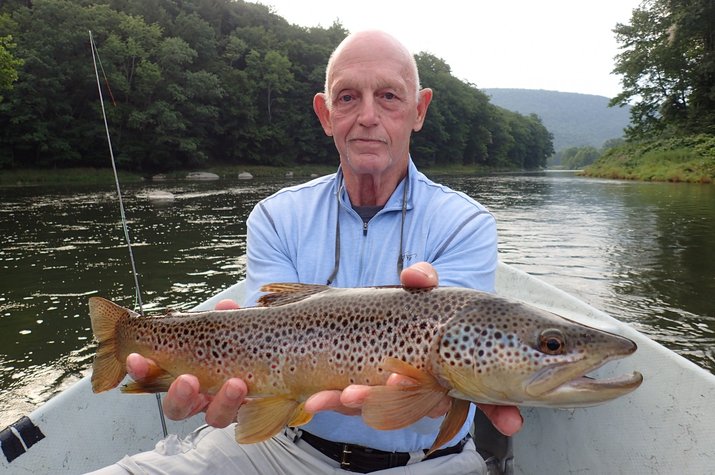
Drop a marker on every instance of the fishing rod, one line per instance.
(96, 59)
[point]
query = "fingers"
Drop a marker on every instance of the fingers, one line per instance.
(225, 404)
(419, 275)
(138, 367)
(349, 401)
(183, 398)
(333, 401)
(506, 419)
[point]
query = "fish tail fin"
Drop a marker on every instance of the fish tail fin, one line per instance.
(108, 370)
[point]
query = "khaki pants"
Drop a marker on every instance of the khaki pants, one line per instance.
(215, 451)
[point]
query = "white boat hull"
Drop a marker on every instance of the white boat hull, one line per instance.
(666, 426)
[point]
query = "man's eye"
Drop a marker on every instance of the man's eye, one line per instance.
(390, 96)
(345, 98)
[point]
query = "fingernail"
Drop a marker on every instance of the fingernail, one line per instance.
(183, 389)
(424, 270)
(233, 392)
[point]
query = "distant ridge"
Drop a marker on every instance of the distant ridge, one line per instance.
(575, 120)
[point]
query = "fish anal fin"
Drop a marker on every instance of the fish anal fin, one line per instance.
(452, 423)
(157, 381)
(300, 416)
(400, 405)
(260, 419)
(285, 293)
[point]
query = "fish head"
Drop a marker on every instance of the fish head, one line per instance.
(506, 352)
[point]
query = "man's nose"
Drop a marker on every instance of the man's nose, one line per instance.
(368, 113)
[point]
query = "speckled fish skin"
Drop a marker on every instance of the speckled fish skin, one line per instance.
(307, 338)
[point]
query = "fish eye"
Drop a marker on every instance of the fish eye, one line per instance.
(552, 342)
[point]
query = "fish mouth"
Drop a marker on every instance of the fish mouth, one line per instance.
(580, 390)
(587, 391)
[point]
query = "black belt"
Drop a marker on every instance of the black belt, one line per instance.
(356, 458)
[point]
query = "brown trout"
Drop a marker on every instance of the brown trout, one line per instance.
(302, 339)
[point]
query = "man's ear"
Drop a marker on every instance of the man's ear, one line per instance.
(423, 101)
(320, 106)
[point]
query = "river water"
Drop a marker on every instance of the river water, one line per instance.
(643, 252)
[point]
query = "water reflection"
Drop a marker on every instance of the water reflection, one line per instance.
(641, 252)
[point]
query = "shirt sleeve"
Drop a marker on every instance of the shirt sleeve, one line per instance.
(267, 255)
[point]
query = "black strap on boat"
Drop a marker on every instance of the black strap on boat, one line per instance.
(16, 438)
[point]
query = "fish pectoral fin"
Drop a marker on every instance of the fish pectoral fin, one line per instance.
(395, 365)
(452, 423)
(285, 293)
(260, 419)
(157, 381)
(397, 406)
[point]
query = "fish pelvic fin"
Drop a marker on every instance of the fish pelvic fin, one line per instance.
(391, 407)
(261, 419)
(452, 424)
(285, 293)
(107, 370)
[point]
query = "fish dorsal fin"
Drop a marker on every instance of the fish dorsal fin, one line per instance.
(452, 423)
(261, 419)
(285, 293)
(398, 406)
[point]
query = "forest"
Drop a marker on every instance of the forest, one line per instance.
(188, 83)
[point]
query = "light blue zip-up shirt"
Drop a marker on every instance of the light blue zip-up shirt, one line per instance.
(291, 238)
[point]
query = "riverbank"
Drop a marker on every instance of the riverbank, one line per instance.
(684, 159)
(100, 176)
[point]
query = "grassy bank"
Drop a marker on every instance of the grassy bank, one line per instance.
(683, 159)
(64, 176)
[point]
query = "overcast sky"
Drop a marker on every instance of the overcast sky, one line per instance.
(558, 45)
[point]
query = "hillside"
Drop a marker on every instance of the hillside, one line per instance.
(575, 120)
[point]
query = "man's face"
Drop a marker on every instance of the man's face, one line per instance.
(373, 108)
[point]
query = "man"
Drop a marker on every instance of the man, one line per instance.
(378, 221)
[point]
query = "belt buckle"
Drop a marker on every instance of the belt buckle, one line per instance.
(345, 454)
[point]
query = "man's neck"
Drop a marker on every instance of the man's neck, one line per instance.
(369, 190)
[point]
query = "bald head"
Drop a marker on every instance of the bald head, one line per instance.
(371, 45)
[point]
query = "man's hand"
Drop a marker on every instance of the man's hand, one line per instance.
(183, 399)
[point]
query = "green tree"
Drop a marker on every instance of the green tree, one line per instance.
(668, 67)
(9, 65)
(273, 71)
(576, 158)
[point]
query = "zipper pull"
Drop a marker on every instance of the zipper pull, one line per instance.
(364, 228)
